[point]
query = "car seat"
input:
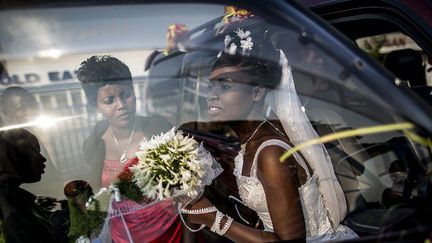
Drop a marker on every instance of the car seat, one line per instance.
(407, 64)
(349, 158)
(347, 155)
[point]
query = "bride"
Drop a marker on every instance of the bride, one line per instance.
(297, 199)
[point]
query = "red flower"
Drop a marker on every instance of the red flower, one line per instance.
(126, 174)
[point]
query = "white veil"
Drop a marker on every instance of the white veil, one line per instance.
(286, 104)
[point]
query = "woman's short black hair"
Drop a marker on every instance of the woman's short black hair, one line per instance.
(268, 73)
(98, 71)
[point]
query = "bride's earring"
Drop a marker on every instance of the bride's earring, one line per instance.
(259, 93)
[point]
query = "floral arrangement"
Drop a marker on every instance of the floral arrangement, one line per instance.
(171, 165)
(168, 166)
(246, 43)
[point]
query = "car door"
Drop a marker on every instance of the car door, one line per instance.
(377, 132)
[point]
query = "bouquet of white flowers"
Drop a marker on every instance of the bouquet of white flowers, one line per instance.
(170, 170)
(172, 165)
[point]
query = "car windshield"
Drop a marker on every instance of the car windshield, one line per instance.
(135, 120)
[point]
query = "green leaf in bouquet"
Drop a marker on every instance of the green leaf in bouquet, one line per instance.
(85, 222)
(130, 191)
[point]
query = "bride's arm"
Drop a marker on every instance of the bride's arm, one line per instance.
(281, 188)
(280, 182)
(236, 232)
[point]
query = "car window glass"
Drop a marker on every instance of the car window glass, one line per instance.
(91, 119)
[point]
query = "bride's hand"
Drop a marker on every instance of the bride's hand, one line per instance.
(185, 201)
(206, 218)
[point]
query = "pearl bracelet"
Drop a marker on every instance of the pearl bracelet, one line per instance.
(184, 222)
(226, 226)
(216, 224)
(199, 211)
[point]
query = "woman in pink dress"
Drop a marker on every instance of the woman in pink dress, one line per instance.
(107, 83)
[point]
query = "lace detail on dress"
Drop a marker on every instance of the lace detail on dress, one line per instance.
(249, 187)
(238, 161)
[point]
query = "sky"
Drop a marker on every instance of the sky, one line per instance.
(58, 31)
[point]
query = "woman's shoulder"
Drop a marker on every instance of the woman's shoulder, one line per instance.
(270, 146)
(93, 146)
(97, 132)
(270, 137)
(99, 129)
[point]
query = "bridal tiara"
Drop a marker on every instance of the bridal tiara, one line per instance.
(246, 43)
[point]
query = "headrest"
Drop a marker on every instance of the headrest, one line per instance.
(406, 64)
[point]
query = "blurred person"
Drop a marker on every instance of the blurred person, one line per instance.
(178, 37)
(107, 83)
(22, 162)
(164, 68)
(233, 14)
(18, 106)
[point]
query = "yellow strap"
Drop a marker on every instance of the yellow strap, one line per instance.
(351, 133)
(427, 142)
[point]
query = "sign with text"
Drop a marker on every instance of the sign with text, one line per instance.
(34, 72)
(30, 79)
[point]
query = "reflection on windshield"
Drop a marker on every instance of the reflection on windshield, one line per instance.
(122, 104)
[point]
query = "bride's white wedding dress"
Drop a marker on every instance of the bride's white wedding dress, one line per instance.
(251, 191)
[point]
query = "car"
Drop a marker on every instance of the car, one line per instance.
(361, 68)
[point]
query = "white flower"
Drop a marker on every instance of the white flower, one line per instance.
(232, 49)
(83, 239)
(165, 157)
(247, 44)
(243, 35)
(186, 175)
(227, 40)
(219, 54)
(160, 190)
